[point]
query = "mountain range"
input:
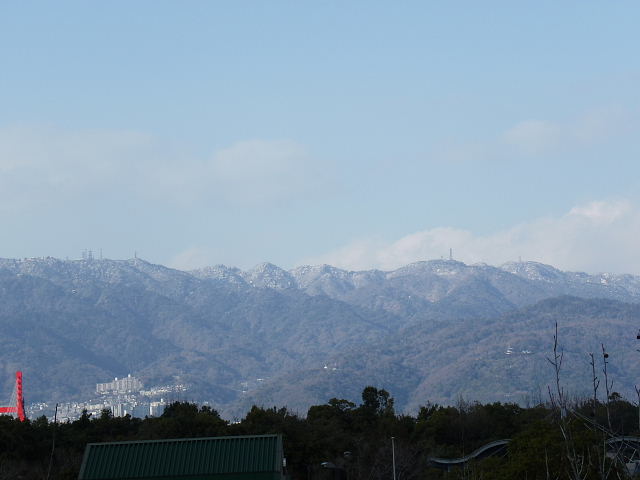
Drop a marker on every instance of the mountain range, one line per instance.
(432, 331)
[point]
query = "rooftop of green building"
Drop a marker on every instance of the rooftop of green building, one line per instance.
(254, 457)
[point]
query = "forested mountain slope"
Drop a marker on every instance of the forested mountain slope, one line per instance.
(424, 331)
(493, 359)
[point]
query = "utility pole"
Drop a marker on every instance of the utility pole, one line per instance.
(53, 442)
(393, 456)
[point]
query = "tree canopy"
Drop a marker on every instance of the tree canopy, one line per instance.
(354, 440)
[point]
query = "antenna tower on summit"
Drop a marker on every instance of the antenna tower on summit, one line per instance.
(451, 254)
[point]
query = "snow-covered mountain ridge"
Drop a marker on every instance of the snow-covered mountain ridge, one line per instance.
(437, 276)
(69, 324)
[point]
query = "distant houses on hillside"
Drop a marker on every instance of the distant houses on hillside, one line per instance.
(128, 384)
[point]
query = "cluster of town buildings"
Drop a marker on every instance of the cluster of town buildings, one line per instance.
(122, 396)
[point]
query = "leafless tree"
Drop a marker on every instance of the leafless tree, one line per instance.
(596, 383)
(608, 386)
(577, 461)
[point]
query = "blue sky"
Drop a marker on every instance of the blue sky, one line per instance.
(362, 134)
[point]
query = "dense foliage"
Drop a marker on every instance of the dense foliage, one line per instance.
(356, 439)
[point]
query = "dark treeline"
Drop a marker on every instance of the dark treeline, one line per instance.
(355, 438)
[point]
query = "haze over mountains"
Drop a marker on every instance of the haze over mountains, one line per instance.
(430, 331)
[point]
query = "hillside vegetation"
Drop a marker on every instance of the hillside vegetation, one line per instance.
(355, 439)
(437, 330)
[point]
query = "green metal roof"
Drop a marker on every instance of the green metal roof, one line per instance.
(246, 457)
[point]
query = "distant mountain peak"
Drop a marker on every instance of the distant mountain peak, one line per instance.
(534, 271)
(438, 267)
(268, 275)
(221, 273)
(231, 326)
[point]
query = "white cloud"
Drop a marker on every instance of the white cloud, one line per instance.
(535, 138)
(40, 166)
(597, 236)
(258, 170)
(193, 258)
(43, 166)
(602, 212)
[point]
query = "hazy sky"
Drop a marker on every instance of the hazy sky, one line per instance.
(361, 134)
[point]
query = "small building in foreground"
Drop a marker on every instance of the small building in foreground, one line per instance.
(251, 457)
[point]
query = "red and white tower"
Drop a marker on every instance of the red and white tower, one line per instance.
(16, 404)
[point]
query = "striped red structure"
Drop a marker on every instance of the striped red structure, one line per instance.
(16, 406)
